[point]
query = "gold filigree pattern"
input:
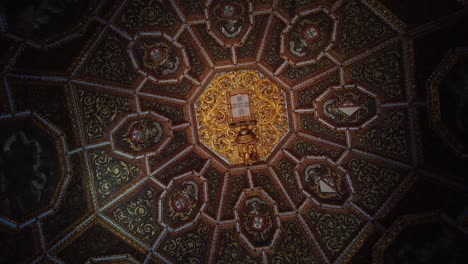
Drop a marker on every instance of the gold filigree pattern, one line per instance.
(110, 62)
(100, 111)
(334, 230)
(146, 14)
(138, 215)
(389, 138)
(213, 121)
(373, 182)
(232, 251)
(190, 247)
(111, 174)
(360, 28)
(294, 248)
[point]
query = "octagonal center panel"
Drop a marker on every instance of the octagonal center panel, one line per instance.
(241, 116)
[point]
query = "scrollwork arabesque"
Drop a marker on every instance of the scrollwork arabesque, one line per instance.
(109, 63)
(190, 247)
(334, 229)
(145, 13)
(391, 138)
(359, 28)
(138, 215)
(213, 119)
(99, 111)
(294, 248)
(374, 183)
(111, 172)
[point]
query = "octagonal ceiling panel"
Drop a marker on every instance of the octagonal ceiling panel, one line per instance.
(181, 204)
(222, 106)
(140, 135)
(309, 36)
(323, 182)
(158, 56)
(346, 107)
(33, 167)
(229, 21)
(322, 88)
(257, 220)
(448, 100)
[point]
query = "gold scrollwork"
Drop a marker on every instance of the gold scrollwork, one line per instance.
(213, 119)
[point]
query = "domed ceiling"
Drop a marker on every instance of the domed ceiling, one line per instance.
(224, 131)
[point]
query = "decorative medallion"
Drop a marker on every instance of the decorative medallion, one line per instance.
(309, 36)
(31, 167)
(139, 135)
(241, 116)
(160, 57)
(228, 20)
(182, 202)
(229, 17)
(322, 182)
(348, 107)
(256, 219)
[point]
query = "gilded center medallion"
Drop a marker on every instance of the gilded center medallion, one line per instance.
(241, 116)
